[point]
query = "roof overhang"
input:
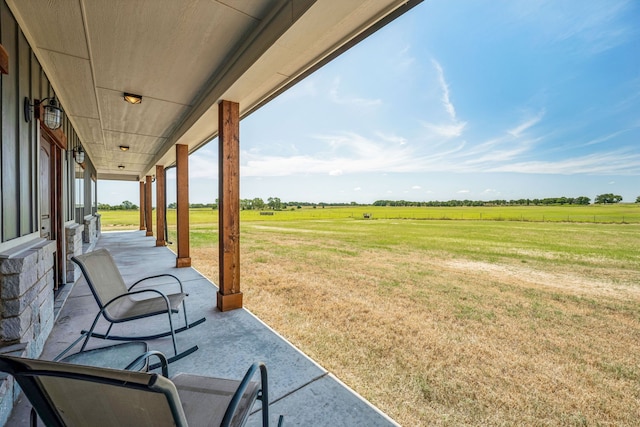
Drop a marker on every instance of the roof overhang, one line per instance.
(183, 57)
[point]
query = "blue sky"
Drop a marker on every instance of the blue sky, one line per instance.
(456, 99)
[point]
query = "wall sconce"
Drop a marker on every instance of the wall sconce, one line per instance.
(78, 154)
(132, 98)
(121, 167)
(52, 116)
(124, 148)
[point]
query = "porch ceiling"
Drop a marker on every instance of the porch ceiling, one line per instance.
(182, 56)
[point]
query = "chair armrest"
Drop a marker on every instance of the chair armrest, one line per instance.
(163, 361)
(155, 277)
(263, 395)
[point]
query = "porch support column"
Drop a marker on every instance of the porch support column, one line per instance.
(147, 206)
(142, 227)
(229, 296)
(160, 206)
(182, 180)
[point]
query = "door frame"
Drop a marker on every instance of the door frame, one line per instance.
(58, 141)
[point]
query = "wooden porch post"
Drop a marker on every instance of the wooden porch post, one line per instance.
(229, 296)
(147, 206)
(182, 182)
(160, 206)
(142, 227)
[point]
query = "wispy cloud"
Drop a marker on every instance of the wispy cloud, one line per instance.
(593, 27)
(446, 130)
(446, 98)
(518, 130)
(454, 127)
(617, 162)
(337, 97)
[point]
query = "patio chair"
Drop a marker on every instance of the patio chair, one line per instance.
(74, 395)
(119, 304)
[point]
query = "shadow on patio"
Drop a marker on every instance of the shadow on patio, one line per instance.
(301, 390)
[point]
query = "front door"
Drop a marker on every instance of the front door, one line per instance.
(45, 189)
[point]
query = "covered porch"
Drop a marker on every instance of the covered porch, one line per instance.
(301, 390)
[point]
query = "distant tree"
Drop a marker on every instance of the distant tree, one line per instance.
(582, 200)
(173, 205)
(127, 205)
(608, 198)
(638, 199)
(245, 204)
(257, 203)
(274, 203)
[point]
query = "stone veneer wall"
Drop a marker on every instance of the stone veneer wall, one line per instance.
(91, 228)
(73, 239)
(26, 308)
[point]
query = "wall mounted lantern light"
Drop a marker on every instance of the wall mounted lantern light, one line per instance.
(52, 116)
(124, 147)
(78, 154)
(121, 167)
(132, 98)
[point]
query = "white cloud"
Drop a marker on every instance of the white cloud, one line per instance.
(446, 99)
(395, 139)
(518, 130)
(447, 131)
(357, 189)
(463, 191)
(455, 127)
(416, 187)
(338, 98)
(618, 162)
(335, 172)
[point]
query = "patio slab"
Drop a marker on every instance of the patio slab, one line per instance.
(300, 389)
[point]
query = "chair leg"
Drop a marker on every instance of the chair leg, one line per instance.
(33, 418)
(108, 330)
(173, 334)
(90, 332)
(264, 395)
(184, 310)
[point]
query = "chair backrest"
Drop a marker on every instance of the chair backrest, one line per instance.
(75, 395)
(102, 275)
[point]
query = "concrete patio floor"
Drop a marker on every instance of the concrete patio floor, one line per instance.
(301, 390)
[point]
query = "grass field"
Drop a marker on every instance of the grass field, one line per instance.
(443, 322)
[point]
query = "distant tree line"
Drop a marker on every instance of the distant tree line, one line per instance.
(275, 203)
(582, 200)
(124, 206)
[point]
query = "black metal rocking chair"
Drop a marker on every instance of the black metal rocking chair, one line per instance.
(117, 305)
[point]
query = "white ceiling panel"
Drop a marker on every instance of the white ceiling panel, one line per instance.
(141, 144)
(75, 82)
(55, 25)
(152, 117)
(176, 45)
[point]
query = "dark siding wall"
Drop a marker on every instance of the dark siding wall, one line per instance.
(19, 144)
(9, 165)
(26, 149)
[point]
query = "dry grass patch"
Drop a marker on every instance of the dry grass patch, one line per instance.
(437, 337)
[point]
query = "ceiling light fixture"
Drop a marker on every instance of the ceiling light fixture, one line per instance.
(124, 148)
(121, 167)
(52, 115)
(132, 98)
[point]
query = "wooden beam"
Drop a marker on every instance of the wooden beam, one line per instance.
(142, 216)
(182, 182)
(229, 296)
(4, 60)
(148, 218)
(160, 206)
